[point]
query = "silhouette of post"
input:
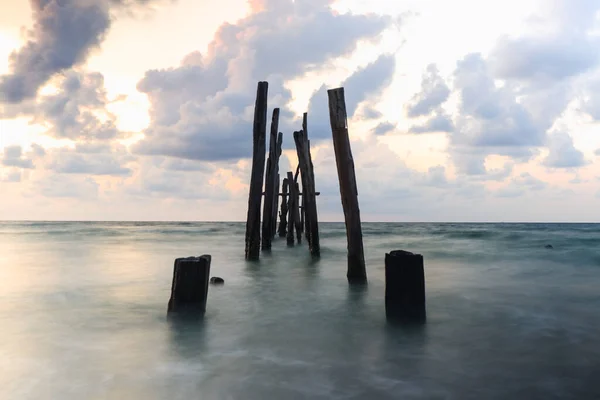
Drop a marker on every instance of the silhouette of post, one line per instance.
(258, 166)
(348, 190)
(270, 183)
(291, 210)
(284, 209)
(189, 289)
(308, 193)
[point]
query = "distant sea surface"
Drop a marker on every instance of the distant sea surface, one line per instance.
(83, 315)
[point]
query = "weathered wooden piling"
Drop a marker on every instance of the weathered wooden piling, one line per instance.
(275, 208)
(308, 192)
(291, 223)
(189, 289)
(348, 190)
(283, 223)
(258, 165)
(404, 287)
(297, 221)
(270, 183)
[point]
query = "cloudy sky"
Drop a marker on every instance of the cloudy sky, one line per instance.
(462, 110)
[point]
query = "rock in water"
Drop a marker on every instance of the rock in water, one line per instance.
(215, 280)
(548, 246)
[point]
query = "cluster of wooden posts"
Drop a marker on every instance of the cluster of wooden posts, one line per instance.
(404, 271)
(298, 214)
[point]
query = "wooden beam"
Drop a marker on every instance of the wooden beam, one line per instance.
(348, 189)
(270, 182)
(259, 132)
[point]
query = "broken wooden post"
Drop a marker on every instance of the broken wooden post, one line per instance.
(284, 209)
(349, 193)
(308, 194)
(189, 289)
(270, 177)
(258, 166)
(404, 287)
(291, 214)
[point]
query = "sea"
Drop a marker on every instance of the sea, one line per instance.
(83, 314)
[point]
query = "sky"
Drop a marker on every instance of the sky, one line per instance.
(462, 110)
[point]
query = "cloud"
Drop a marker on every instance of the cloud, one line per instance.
(434, 92)
(203, 109)
(64, 34)
(384, 128)
(90, 159)
(521, 185)
(439, 122)
(13, 157)
(11, 176)
(64, 186)
(597, 152)
(563, 153)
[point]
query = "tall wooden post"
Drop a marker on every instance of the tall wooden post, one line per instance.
(270, 177)
(258, 167)
(275, 209)
(291, 212)
(296, 210)
(276, 194)
(308, 192)
(284, 209)
(347, 178)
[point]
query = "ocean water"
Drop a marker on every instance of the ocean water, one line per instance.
(83, 315)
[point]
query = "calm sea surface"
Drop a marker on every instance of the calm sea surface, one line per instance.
(83, 315)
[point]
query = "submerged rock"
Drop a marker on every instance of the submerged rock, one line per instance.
(548, 246)
(215, 280)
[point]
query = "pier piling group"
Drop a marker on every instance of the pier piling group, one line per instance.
(404, 271)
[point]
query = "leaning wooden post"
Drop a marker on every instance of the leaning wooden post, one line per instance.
(314, 219)
(270, 177)
(404, 287)
(258, 168)
(291, 213)
(347, 179)
(284, 208)
(189, 289)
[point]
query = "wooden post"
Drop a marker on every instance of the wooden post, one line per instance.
(297, 222)
(276, 194)
(284, 209)
(275, 209)
(404, 287)
(270, 177)
(291, 213)
(258, 167)
(308, 194)
(189, 289)
(349, 193)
